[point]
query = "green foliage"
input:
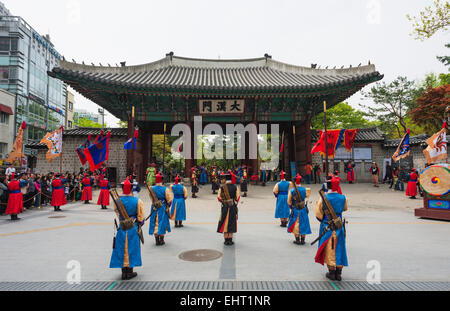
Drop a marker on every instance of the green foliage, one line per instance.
(123, 124)
(445, 59)
(88, 123)
(342, 116)
(431, 20)
(391, 104)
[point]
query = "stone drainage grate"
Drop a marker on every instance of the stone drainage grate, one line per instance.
(225, 286)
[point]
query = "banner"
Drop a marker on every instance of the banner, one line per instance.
(333, 138)
(437, 146)
(403, 149)
(17, 150)
(54, 142)
(131, 143)
(349, 139)
(80, 150)
(98, 153)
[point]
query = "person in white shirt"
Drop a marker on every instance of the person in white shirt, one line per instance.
(10, 170)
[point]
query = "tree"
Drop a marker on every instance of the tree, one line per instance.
(433, 19)
(391, 103)
(431, 107)
(445, 59)
(342, 116)
(123, 124)
(88, 123)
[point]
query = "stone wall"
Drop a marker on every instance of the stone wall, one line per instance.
(71, 162)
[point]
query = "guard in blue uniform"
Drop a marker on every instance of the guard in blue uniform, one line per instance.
(332, 250)
(159, 219)
(127, 248)
(178, 211)
(203, 176)
(281, 191)
(299, 218)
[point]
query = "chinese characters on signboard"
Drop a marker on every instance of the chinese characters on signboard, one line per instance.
(226, 106)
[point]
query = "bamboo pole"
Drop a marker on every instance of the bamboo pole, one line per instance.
(326, 137)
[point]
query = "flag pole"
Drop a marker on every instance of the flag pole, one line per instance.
(164, 149)
(134, 149)
(326, 136)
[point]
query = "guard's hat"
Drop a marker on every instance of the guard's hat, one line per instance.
(177, 180)
(298, 179)
(282, 175)
(158, 178)
(127, 187)
(13, 176)
(335, 184)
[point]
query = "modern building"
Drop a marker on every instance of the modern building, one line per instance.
(70, 102)
(7, 103)
(84, 114)
(25, 59)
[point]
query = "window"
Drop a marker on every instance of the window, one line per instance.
(14, 44)
(4, 72)
(70, 106)
(3, 149)
(70, 124)
(4, 44)
(4, 118)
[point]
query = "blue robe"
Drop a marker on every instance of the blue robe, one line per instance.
(282, 210)
(338, 203)
(134, 244)
(160, 215)
(179, 203)
(304, 226)
(203, 177)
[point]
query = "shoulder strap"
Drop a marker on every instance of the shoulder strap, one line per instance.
(119, 204)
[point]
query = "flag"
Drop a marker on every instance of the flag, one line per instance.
(403, 149)
(349, 139)
(437, 146)
(17, 151)
(333, 137)
(340, 139)
(282, 143)
(131, 143)
(80, 150)
(54, 142)
(98, 153)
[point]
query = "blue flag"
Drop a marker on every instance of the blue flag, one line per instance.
(130, 144)
(98, 153)
(403, 149)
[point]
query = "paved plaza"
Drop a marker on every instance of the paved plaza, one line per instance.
(381, 226)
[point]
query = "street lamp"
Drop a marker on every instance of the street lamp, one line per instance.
(101, 111)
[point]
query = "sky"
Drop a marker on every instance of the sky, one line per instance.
(324, 32)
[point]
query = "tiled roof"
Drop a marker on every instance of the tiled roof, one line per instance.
(371, 134)
(413, 140)
(249, 74)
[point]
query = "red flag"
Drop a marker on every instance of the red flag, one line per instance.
(282, 143)
(136, 134)
(332, 139)
(349, 139)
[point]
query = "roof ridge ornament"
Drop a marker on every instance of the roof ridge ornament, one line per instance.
(171, 54)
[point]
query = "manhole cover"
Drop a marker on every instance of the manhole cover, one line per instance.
(200, 255)
(57, 217)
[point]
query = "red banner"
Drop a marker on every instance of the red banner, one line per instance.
(332, 140)
(349, 139)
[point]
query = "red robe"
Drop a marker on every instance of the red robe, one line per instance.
(58, 195)
(350, 173)
(15, 200)
(87, 190)
(103, 199)
(411, 189)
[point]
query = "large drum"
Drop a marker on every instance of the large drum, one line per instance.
(435, 182)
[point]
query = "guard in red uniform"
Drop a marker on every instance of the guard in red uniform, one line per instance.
(58, 195)
(411, 189)
(15, 199)
(103, 199)
(87, 189)
(336, 176)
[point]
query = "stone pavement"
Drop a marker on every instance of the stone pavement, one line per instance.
(381, 227)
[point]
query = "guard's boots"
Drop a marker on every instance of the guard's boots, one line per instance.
(303, 241)
(161, 240)
(86, 202)
(157, 241)
(124, 273)
(339, 274)
(297, 241)
(131, 274)
(245, 194)
(331, 275)
(180, 224)
(176, 224)
(14, 217)
(55, 208)
(284, 224)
